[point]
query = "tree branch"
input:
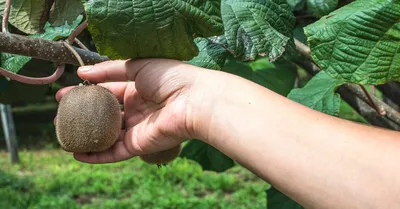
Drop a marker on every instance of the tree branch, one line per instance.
(391, 90)
(53, 51)
(354, 96)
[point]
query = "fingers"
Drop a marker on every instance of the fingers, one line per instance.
(105, 71)
(122, 70)
(116, 153)
(118, 70)
(117, 88)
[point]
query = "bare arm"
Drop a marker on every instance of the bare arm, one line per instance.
(318, 160)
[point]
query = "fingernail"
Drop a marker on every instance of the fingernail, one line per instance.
(85, 68)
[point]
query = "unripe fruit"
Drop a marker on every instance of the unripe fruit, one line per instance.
(162, 157)
(88, 119)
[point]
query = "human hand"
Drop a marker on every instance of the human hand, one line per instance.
(160, 101)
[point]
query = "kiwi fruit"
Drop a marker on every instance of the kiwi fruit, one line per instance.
(88, 119)
(162, 157)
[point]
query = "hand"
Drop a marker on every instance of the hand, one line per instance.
(158, 105)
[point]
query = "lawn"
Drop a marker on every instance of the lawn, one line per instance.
(53, 179)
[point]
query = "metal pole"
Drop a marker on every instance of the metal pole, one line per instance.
(9, 132)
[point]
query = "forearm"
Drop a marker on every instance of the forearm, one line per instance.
(318, 160)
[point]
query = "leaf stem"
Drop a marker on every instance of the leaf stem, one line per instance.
(371, 102)
(72, 50)
(6, 15)
(80, 44)
(34, 81)
(78, 30)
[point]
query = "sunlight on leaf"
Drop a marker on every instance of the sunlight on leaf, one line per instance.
(319, 94)
(359, 43)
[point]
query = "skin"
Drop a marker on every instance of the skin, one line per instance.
(318, 160)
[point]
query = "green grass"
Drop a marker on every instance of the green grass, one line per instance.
(53, 179)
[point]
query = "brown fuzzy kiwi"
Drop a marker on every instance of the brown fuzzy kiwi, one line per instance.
(88, 119)
(163, 157)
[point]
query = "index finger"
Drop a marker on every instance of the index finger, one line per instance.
(116, 70)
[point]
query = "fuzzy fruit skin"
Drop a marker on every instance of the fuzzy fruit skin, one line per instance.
(88, 119)
(162, 157)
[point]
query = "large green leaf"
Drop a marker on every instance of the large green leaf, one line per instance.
(255, 27)
(28, 15)
(65, 11)
(211, 56)
(207, 156)
(277, 200)
(320, 8)
(319, 94)
(296, 4)
(278, 77)
(359, 43)
(164, 28)
(14, 63)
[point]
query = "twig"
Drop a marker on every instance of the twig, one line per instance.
(303, 49)
(390, 114)
(80, 44)
(25, 79)
(367, 112)
(391, 91)
(78, 30)
(34, 81)
(371, 102)
(6, 15)
(373, 90)
(53, 51)
(72, 50)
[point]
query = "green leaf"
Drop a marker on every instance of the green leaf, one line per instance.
(165, 28)
(14, 63)
(296, 4)
(319, 94)
(211, 56)
(28, 15)
(207, 156)
(254, 27)
(277, 200)
(278, 77)
(320, 8)
(2, 5)
(65, 11)
(359, 43)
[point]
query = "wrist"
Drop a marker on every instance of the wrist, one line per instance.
(206, 94)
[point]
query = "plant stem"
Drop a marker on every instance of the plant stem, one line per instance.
(34, 81)
(72, 50)
(6, 15)
(371, 102)
(43, 49)
(78, 30)
(80, 44)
